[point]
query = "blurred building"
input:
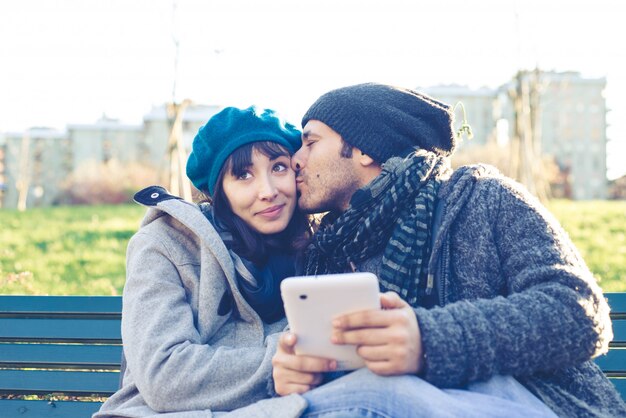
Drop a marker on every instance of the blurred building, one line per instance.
(34, 163)
(572, 120)
(480, 106)
(31, 162)
(105, 140)
(157, 126)
(572, 117)
(574, 126)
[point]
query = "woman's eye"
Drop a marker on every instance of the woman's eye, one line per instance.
(279, 167)
(244, 176)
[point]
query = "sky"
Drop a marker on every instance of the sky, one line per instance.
(72, 61)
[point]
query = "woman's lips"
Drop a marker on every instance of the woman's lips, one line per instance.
(272, 212)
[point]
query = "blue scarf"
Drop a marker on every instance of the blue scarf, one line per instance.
(264, 296)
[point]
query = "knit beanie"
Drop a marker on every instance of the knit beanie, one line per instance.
(230, 129)
(385, 121)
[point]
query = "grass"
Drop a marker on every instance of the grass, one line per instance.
(77, 250)
(81, 250)
(598, 228)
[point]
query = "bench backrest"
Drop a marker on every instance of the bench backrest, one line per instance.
(613, 364)
(68, 349)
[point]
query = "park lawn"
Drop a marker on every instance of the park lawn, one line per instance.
(598, 228)
(71, 250)
(81, 250)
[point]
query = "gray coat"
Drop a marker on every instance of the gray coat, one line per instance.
(517, 299)
(191, 341)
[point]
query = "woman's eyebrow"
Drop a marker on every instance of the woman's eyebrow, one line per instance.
(278, 156)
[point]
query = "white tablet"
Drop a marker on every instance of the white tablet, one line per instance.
(311, 302)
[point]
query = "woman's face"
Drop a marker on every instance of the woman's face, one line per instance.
(264, 195)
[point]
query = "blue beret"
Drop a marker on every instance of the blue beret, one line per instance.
(230, 129)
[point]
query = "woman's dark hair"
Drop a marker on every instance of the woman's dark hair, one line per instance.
(247, 242)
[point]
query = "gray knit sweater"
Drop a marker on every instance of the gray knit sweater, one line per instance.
(515, 298)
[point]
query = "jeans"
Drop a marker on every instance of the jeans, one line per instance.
(365, 394)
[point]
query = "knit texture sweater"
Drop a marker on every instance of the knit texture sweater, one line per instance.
(514, 298)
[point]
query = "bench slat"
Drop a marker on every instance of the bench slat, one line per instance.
(68, 382)
(619, 333)
(61, 330)
(617, 302)
(620, 385)
(614, 361)
(60, 356)
(17, 408)
(61, 304)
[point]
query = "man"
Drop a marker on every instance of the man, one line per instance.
(482, 283)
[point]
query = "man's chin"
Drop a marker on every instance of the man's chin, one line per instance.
(305, 206)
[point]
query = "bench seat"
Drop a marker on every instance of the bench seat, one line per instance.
(67, 349)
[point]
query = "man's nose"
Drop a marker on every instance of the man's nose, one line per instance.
(296, 162)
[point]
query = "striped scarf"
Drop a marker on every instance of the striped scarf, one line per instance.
(392, 214)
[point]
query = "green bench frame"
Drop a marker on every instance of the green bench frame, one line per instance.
(70, 346)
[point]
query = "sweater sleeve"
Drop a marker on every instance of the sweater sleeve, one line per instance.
(547, 312)
(173, 369)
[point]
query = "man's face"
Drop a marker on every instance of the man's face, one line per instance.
(325, 179)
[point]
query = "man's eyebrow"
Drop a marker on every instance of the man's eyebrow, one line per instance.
(307, 134)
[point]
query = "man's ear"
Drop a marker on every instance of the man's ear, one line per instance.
(364, 159)
(366, 167)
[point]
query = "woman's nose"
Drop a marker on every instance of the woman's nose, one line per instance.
(267, 190)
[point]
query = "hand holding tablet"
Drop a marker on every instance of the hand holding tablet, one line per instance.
(311, 303)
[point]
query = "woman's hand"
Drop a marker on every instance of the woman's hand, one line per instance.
(297, 374)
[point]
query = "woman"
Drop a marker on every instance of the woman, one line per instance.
(201, 308)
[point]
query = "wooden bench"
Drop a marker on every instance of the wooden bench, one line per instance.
(68, 350)
(64, 348)
(613, 364)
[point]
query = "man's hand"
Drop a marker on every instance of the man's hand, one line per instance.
(389, 340)
(297, 374)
